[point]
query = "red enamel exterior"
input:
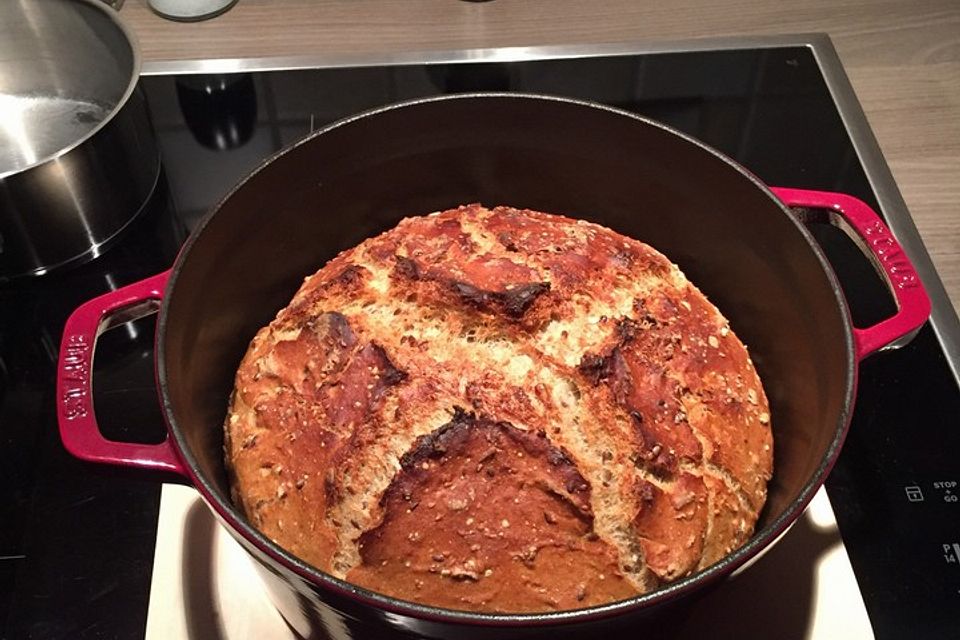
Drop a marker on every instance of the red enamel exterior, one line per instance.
(913, 305)
(75, 412)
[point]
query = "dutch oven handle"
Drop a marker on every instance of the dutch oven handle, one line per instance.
(857, 219)
(78, 423)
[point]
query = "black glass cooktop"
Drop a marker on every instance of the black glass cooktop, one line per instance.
(76, 541)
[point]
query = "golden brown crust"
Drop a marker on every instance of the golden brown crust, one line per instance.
(478, 499)
(502, 366)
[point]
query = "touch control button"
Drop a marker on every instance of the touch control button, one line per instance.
(948, 489)
(951, 553)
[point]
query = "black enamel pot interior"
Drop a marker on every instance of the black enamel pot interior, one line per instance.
(359, 177)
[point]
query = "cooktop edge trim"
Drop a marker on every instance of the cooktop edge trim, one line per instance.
(943, 317)
(494, 54)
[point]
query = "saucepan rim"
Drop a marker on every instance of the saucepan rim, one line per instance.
(134, 77)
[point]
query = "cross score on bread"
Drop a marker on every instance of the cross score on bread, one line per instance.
(500, 410)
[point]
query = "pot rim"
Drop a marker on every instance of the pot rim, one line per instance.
(757, 542)
(135, 66)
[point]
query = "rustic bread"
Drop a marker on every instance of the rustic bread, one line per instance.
(500, 410)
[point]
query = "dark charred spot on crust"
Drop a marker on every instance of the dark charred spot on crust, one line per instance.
(597, 368)
(662, 464)
(473, 296)
(594, 368)
(627, 330)
(618, 377)
(640, 306)
(507, 240)
(434, 445)
(558, 457)
(513, 302)
(350, 276)
(407, 268)
(338, 331)
(517, 300)
(645, 493)
(390, 375)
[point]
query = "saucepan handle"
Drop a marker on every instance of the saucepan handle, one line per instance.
(78, 423)
(863, 224)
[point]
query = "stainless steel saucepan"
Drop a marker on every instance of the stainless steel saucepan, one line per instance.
(77, 154)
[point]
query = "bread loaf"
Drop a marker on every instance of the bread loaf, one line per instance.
(500, 410)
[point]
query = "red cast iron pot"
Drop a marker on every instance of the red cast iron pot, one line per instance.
(742, 243)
